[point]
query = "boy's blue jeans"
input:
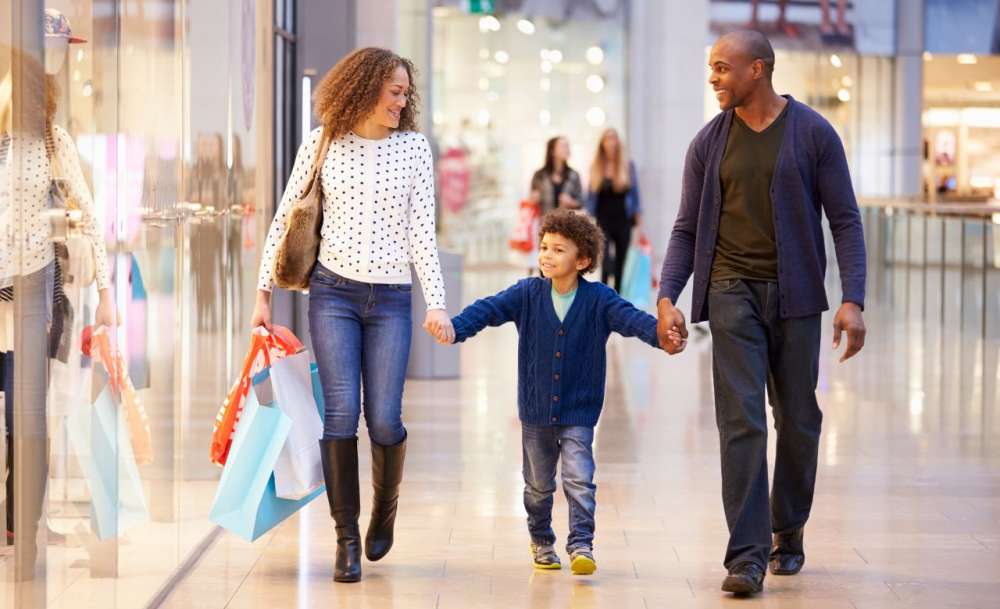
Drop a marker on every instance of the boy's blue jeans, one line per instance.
(543, 447)
(361, 336)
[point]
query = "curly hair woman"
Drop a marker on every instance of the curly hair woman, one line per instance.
(378, 218)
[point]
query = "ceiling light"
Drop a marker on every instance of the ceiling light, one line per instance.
(836, 61)
(596, 117)
(526, 27)
(501, 56)
(928, 56)
(555, 56)
(595, 83)
(967, 59)
(546, 67)
(489, 23)
(844, 95)
(983, 86)
(595, 55)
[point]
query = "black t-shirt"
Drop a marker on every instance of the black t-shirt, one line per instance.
(746, 247)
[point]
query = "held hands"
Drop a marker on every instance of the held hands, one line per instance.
(849, 319)
(438, 325)
(671, 328)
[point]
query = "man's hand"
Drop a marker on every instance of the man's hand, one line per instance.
(849, 319)
(670, 326)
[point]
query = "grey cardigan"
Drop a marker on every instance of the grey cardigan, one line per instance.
(542, 182)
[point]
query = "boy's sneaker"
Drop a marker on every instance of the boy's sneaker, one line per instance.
(545, 557)
(582, 561)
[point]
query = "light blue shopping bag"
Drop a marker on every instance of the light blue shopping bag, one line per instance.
(636, 278)
(245, 501)
(100, 441)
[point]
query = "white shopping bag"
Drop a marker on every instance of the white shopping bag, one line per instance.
(299, 470)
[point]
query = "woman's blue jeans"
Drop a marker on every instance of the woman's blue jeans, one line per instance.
(361, 338)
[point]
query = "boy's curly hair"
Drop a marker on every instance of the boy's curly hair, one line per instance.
(579, 229)
(351, 89)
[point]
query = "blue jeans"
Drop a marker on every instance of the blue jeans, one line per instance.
(753, 347)
(361, 336)
(542, 448)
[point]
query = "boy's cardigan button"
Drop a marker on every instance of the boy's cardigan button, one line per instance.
(555, 398)
(556, 376)
(558, 354)
(562, 332)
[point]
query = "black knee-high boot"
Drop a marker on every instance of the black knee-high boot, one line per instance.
(387, 473)
(340, 470)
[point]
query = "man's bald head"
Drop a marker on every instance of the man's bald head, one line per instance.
(753, 45)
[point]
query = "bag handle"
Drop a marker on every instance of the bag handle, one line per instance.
(315, 170)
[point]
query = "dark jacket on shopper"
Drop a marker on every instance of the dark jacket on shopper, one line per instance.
(561, 366)
(633, 204)
(810, 178)
(542, 182)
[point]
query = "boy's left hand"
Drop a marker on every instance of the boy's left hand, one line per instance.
(678, 341)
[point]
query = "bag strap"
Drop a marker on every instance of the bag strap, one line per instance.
(316, 170)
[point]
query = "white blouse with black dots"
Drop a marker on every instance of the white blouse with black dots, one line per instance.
(25, 229)
(378, 211)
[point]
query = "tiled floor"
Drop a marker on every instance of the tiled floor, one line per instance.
(907, 511)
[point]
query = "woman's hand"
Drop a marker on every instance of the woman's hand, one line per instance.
(261, 311)
(438, 324)
(105, 315)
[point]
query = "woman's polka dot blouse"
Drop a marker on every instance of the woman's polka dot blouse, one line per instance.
(378, 211)
(25, 228)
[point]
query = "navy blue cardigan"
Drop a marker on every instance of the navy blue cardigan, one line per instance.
(560, 366)
(810, 178)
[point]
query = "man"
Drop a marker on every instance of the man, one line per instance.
(756, 179)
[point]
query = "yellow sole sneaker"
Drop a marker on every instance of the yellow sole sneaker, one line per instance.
(548, 566)
(583, 565)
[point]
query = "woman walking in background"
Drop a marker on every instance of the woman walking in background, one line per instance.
(557, 184)
(613, 199)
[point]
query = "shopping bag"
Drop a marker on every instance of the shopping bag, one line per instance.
(292, 386)
(637, 277)
(522, 238)
(265, 347)
(100, 349)
(99, 440)
(245, 501)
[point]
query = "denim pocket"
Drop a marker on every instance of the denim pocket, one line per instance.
(327, 276)
(723, 285)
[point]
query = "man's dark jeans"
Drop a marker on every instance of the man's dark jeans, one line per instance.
(753, 347)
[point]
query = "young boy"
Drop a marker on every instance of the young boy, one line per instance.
(563, 323)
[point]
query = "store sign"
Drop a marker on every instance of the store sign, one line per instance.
(477, 7)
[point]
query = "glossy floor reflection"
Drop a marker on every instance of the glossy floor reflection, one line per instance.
(907, 512)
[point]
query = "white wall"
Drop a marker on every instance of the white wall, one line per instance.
(666, 103)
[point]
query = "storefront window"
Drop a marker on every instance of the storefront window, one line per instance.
(503, 85)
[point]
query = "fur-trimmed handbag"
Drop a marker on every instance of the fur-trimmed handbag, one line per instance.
(299, 247)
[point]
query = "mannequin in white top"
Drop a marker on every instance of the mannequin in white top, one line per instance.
(377, 181)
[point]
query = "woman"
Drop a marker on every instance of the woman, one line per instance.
(613, 199)
(378, 218)
(32, 153)
(557, 184)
